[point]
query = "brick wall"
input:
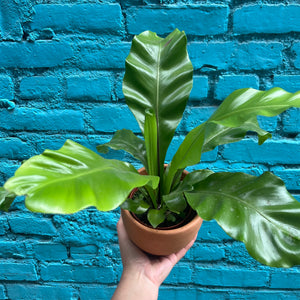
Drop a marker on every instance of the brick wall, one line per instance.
(61, 69)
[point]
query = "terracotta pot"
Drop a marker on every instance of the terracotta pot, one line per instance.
(159, 241)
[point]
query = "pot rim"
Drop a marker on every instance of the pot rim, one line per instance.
(166, 232)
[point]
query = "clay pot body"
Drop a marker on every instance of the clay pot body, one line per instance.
(159, 241)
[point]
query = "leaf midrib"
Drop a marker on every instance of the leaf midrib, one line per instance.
(71, 177)
(157, 110)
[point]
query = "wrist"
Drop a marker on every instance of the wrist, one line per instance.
(135, 285)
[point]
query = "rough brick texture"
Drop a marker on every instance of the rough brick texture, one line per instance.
(272, 19)
(80, 17)
(61, 70)
(199, 20)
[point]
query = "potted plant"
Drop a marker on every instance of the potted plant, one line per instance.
(258, 211)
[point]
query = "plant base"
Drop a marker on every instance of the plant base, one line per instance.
(160, 241)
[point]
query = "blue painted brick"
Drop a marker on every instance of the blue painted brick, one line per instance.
(14, 148)
(196, 116)
(2, 292)
(50, 252)
(203, 293)
(198, 20)
(229, 83)
(36, 119)
(290, 83)
(233, 277)
(68, 273)
(285, 279)
(12, 249)
(110, 118)
(39, 87)
(258, 56)
(32, 225)
(84, 252)
(178, 293)
(93, 56)
(89, 88)
(291, 120)
(18, 271)
(118, 86)
(87, 227)
(296, 50)
(200, 88)
(267, 123)
(212, 232)
(10, 21)
(9, 105)
(6, 88)
(181, 274)
(270, 152)
(237, 254)
(291, 177)
(18, 291)
(3, 225)
(296, 196)
(245, 19)
(55, 142)
(229, 166)
(217, 54)
(45, 54)
(206, 252)
(210, 155)
(79, 17)
(52, 142)
(96, 292)
(239, 56)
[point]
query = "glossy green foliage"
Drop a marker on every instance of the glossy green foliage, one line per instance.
(175, 200)
(159, 78)
(258, 211)
(156, 216)
(126, 140)
(231, 121)
(150, 134)
(73, 178)
(6, 199)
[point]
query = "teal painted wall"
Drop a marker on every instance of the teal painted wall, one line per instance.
(61, 69)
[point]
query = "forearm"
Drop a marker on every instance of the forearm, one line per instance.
(135, 287)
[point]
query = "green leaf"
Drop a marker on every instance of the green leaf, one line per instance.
(258, 211)
(192, 178)
(156, 216)
(158, 76)
(126, 140)
(137, 206)
(175, 200)
(230, 123)
(6, 199)
(73, 178)
(150, 134)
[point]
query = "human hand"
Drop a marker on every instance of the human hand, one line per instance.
(142, 268)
